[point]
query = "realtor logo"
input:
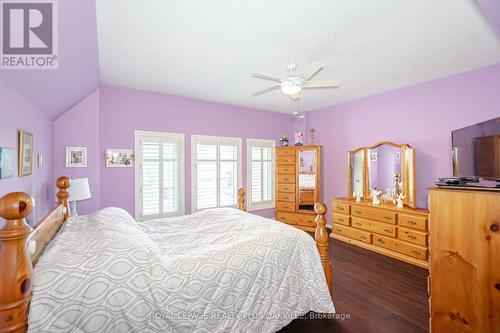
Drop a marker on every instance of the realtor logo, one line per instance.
(29, 34)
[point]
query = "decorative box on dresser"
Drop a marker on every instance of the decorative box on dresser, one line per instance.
(295, 203)
(464, 272)
(400, 233)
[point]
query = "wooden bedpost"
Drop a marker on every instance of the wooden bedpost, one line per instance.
(321, 237)
(15, 263)
(241, 199)
(63, 184)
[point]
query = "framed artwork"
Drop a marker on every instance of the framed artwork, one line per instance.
(119, 158)
(76, 157)
(6, 163)
(25, 153)
(299, 138)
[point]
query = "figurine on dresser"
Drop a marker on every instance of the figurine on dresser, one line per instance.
(375, 195)
(399, 200)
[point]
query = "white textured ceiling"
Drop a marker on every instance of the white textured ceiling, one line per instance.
(208, 49)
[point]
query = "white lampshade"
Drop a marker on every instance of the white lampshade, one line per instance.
(79, 189)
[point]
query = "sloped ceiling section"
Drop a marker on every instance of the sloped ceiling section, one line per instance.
(491, 10)
(208, 49)
(55, 91)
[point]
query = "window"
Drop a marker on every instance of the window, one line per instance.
(260, 173)
(159, 175)
(216, 171)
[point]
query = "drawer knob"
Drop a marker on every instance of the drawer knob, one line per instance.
(494, 227)
(380, 241)
(412, 237)
(388, 230)
(412, 222)
(358, 212)
(416, 252)
(387, 217)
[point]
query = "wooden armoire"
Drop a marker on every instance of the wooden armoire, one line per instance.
(464, 279)
(297, 185)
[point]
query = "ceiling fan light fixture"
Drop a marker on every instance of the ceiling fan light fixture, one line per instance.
(289, 87)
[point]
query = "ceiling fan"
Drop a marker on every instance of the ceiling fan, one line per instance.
(292, 84)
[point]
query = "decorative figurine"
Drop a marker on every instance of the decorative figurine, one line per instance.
(299, 138)
(396, 185)
(313, 135)
(375, 196)
(399, 200)
(284, 140)
(357, 193)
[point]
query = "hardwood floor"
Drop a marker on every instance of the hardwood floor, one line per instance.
(380, 294)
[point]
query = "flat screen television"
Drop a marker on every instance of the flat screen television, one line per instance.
(476, 150)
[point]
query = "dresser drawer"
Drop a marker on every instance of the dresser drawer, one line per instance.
(286, 206)
(285, 169)
(285, 152)
(306, 220)
(352, 233)
(374, 226)
(360, 224)
(286, 218)
(412, 221)
(290, 188)
(401, 247)
(383, 229)
(341, 219)
(285, 196)
(289, 179)
(341, 207)
(374, 214)
(284, 159)
(412, 236)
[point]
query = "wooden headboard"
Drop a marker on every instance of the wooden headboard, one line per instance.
(20, 248)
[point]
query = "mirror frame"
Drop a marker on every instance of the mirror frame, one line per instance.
(317, 192)
(408, 171)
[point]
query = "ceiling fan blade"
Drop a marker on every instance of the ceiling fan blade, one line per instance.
(295, 96)
(267, 76)
(263, 91)
(321, 84)
(311, 70)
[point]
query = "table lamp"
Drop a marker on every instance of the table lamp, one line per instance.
(79, 190)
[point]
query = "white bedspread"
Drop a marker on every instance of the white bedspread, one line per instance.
(219, 270)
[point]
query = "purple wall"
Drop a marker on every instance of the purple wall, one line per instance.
(55, 91)
(17, 113)
(79, 127)
(422, 115)
(125, 110)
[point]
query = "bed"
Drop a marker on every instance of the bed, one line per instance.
(104, 272)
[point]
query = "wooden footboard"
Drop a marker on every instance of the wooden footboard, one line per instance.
(320, 235)
(20, 247)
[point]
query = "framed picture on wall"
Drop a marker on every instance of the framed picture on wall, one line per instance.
(6, 163)
(25, 153)
(119, 158)
(76, 157)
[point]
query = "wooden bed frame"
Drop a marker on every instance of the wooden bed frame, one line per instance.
(22, 245)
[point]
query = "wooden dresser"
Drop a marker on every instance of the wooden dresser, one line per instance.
(289, 196)
(397, 233)
(465, 261)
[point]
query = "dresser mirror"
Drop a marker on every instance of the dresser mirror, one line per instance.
(386, 167)
(356, 172)
(308, 178)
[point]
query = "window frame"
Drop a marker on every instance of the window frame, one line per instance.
(138, 173)
(213, 140)
(248, 201)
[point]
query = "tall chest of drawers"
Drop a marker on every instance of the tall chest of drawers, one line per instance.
(288, 191)
(398, 233)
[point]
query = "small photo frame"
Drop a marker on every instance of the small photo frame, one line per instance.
(76, 157)
(6, 163)
(25, 153)
(119, 158)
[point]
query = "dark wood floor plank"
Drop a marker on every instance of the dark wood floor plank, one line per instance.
(379, 293)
